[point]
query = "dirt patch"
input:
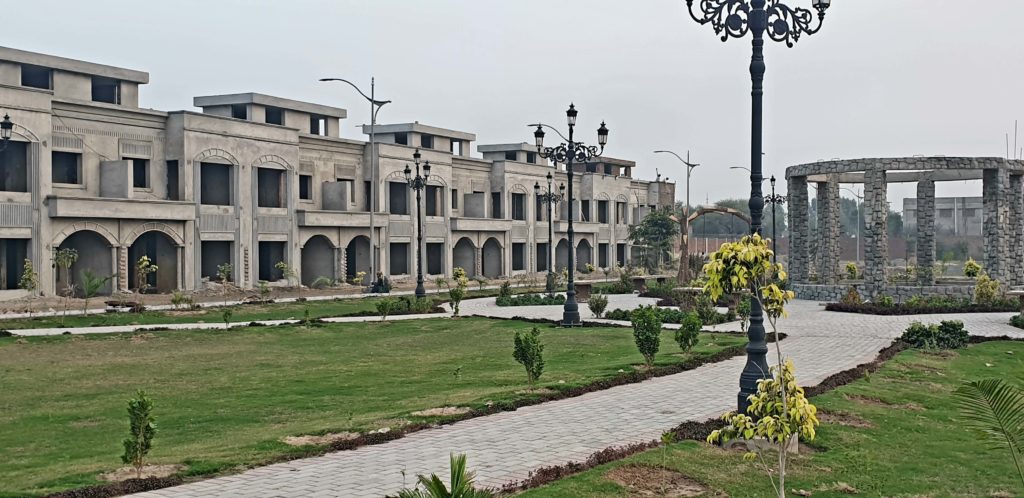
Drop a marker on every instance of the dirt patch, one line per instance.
(142, 338)
(842, 418)
(319, 440)
(870, 400)
(645, 480)
(443, 411)
(838, 487)
(185, 312)
(126, 473)
(539, 390)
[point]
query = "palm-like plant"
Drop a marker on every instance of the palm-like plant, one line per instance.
(996, 409)
(92, 284)
(461, 485)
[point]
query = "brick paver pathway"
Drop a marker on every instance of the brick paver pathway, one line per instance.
(506, 446)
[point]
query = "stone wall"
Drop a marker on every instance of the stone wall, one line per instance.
(876, 244)
(799, 228)
(833, 293)
(926, 232)
(828, 231)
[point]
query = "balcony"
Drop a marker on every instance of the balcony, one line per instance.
(480, 225)
(348, 219)
(139, 209)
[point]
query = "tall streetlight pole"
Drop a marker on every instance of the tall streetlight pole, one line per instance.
(375, 106)
(684, 261)
(567, 153)
(733, 19)
(550, 198)
(774, 200)
(418, 183)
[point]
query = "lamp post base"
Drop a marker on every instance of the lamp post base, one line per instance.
(571, 311)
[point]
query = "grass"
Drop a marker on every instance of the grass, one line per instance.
(918, 448)
(225, 398)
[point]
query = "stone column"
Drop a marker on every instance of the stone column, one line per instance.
(799, 228)
(121, 253)
(828, 231)
(996, 216)
(876, 240)
(1016, 242)
(925, 232)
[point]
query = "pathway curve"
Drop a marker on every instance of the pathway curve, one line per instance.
(506, 446)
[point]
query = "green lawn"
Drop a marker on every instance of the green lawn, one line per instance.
(226, 397)
(916, 449)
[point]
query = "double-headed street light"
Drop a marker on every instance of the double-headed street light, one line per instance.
(568, 153)
(774, 199)
(550, 198)
(418, 183)
(733, 19)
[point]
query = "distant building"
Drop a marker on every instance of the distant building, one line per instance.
(953, 215)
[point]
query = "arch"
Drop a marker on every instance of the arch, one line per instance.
(724, 210)
(272, 159)
(154, 227)
(95, 254)
(492, 258)
(317, 260)
(584, 254)
(603, 196)
(561, 255)
(84, 225)
(214, 152)
(315, 235)
(393, 175)
(357, 259)
(23, 132)
(464, 256)
(162, 251)
(621, 198)
(519, 189)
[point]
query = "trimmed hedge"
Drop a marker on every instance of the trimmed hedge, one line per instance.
(963, 306)
(671, 316)
(949, 334)
(531, 300)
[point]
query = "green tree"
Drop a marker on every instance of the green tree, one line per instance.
(658, 233)
(646, 322)
(29, 282)
(142, 429)
(529, 352)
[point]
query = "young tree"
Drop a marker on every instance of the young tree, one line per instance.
(142, 429)
(29, 282)
(64, 258)
(457, 293)
(143, 268)
(529, 352)
(647, 332)
(92, 284)
(657, 232)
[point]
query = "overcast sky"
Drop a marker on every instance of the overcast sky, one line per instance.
(882, 78)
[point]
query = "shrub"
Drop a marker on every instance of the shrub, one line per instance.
(287, 272)
(481, 281)
(531, 300)
(264, 288)
(706, 309)
(29, 280)
(588, 268)
(505, 290)
(457, 293)
(597, 304)
(852, 297)
(647, 332)
(743, 311)
(529, 352)
(142, 428)
(971, 268)
(851, 271)
(384, 308)
(1017, 321)
(91, 285)
(224, 272)
(688, 332)
(952, 335)
(179, 299)
(885, 301)
(226, 316)
(986, 290)
(949, 334)
(461, 484)
(143, 267)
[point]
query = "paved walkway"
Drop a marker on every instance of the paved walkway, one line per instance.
(505, 447)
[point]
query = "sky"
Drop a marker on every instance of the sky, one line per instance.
(882, 78)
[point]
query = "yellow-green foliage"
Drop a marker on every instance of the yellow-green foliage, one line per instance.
(851, 271)
(971, 268)
(986, 290)
(738, 266)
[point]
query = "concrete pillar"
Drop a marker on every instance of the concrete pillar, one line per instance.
(478, 255)
(828, 231)
(876, 238)
(799, 228)
(996, 217)
(121, 262)
(1016, 242)
(925, 232)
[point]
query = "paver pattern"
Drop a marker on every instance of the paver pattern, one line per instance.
(505, 447)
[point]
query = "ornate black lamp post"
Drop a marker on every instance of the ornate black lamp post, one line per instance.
(550, 198)
(733, 19)
(6, 126)
(418, 183)
(568, 153)
(774, 200)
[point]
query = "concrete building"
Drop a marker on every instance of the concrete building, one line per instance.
(254, 180)
(953, 215)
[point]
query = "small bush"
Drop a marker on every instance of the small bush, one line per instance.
(852, 297)
(529, 352)
(597, 304)
(986, 290)
(952, 335)
(141, 431)
(688, 332)
(179, 299)
(949, 334)
(851, 271)
(531, 300)
(971, 268)
(647, 332)
(384, 308)
(885, 301)
(706, 310)
(505, 290)
(1017, 321)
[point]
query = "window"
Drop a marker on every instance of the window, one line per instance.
(602, 212)
(274, 115)
(510, 155)
(36, 77)
(306, 187)
(542, 256)
(519, 207)
(140, 172)
(455, 198)
(608, 169)
(456, 147)
(239, 111)
(435, 258)
(66, 167)
(398, 198)
(215, 184)
(591, 167)
(970, 213)
(585, 211)
(541, 208)
(602, 255)
(427, 141)
(269, 188)
(398, 257)
(172, 181)
(496, 205)
(402, 138)
(106, 90)
(518, 256)
(366, 196)
(945, 213)
(269, 255)
(318, 125)
(214, 253)
(432, 203)
(531, 157)
(620, 213)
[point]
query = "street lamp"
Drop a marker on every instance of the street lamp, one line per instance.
(733, 19)
(774, 200)
(550, 198)
(568, 153)
(375, 105)
(6, 126)
(684, 261)
(418, 183)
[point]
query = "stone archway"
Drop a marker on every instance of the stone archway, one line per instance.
(492, 258)
(464, 256)
(357, 259)
(584, 255)
(318, 260)
(94, 254)
(561, 255)
(162, 252)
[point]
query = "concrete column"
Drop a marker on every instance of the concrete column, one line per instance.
(478, 254)
(876, 239)
(1016, 242)
(121, 262)
(996, 217)
(828, 231)
(799, 228)
(925, 232)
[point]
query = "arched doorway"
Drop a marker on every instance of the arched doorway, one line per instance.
(317, 260)
(163, 253)
(492, 258)
(562, 255)
(94, 255)
(464, 256)
(357, 259)
(584, 255)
